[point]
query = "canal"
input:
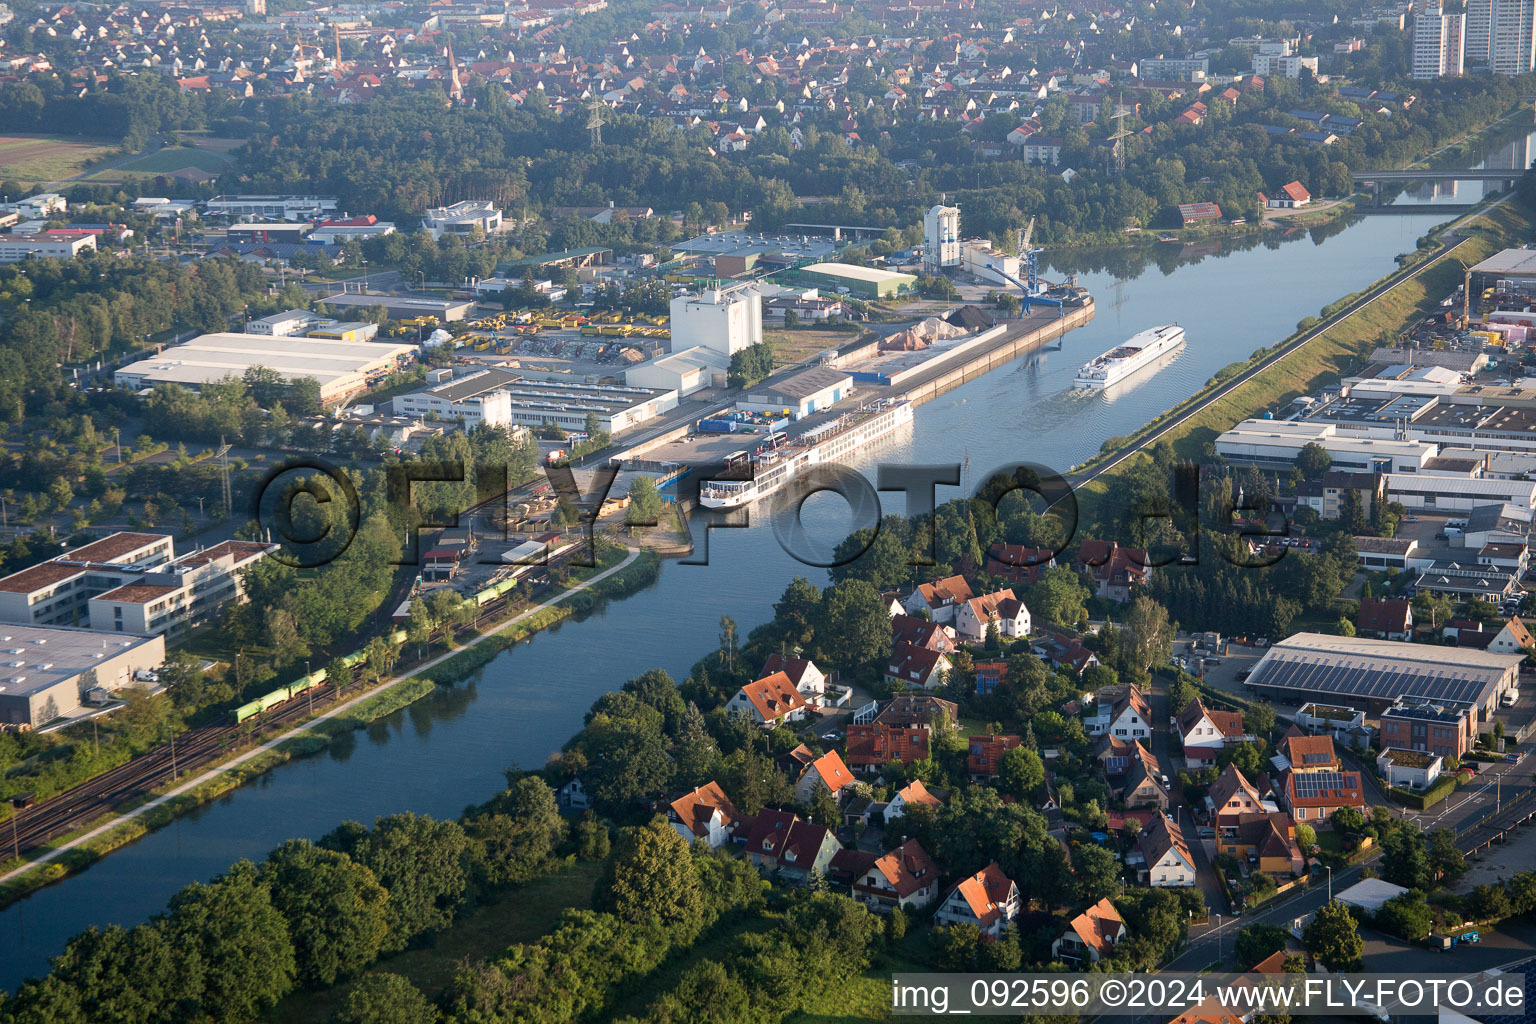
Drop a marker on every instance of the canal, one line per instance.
(450, 749)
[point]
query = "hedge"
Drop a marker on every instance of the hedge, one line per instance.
(1431, 796)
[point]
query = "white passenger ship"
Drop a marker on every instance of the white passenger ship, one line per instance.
(1125, 359)
(829, 442)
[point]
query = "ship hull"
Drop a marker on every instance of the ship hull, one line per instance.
(1121, 362)
(831, 450)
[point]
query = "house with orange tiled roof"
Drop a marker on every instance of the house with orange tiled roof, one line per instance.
(706, 813)
(769, 701)
(905, 877)
(1001, 608)
(939, 598)
(1309, 753)
(827, 770)
(899, 732)
(1091, 935)
(988, 899)
(986, 754)
(914, 794)
(808, 679)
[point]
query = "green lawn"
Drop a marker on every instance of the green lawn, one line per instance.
(172, 159)
(520, 915)
(864, 998)
(32, 159)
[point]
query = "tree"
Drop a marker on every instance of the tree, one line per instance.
(240, 941)
(1407, 916)
(1060, 596)
(517, 840)
(1098, 873)
(652, 876)
(1149, 634)
(854, 627)
(1445, 859)
(1306, 837)
(1020, 772)
(644, 508)
(334, 909)
(1349, 820)
(386, 999)
(824, 810)
(1313, 460)
(420, 861)
(1258, 942)
(1333, 937)
(1403, 859)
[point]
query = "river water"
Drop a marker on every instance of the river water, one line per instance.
(450, 749)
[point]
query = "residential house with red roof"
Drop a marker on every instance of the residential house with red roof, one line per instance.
(1206, 731)
(706, 813)
(988, 899)
(1309, 753)
(1091, 935)
(781, 841)
(1267, 842)
(1388, 618)
(827, 770)
(1018, 562)
(986, 753)
(1109, 570)
(939, 598)
(921, 632)
(1165, 855)
(905, 877)
(917, 667)
(1001, 609)
(769, 701)
(1142, 784)
(1231, 796)
(913, 794)
(808, 679)
(1291, 196)
(1314, 796)
(988, 675)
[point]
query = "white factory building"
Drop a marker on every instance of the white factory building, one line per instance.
(462, 219)
(722, 320)
(1276, 444)
(502, 398)
(341, 367)
(15, 248)
(941, 239)
(279, 208)
(45, 669)
(1441, 493)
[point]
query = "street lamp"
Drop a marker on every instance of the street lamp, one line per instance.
(1218, 940)
(1330, 882)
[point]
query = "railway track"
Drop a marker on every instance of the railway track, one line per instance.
(34, 827)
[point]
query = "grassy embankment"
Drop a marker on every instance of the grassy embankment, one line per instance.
(474, 655)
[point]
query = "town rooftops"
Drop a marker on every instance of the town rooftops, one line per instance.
(138, 593)
(696, 808)
(1323, 789)
(112, 547)
(1159, 838)
(1309, 752)
(986, 893)
(1384, 615)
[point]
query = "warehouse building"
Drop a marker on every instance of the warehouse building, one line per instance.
(685, 371)
(399, 308)
(799, 394)
(341, 368)
(129, 583)
(501, 398)
(1276, 444)
(48, 670)
(1442, 493)
(865, 282)
(1375, 674)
